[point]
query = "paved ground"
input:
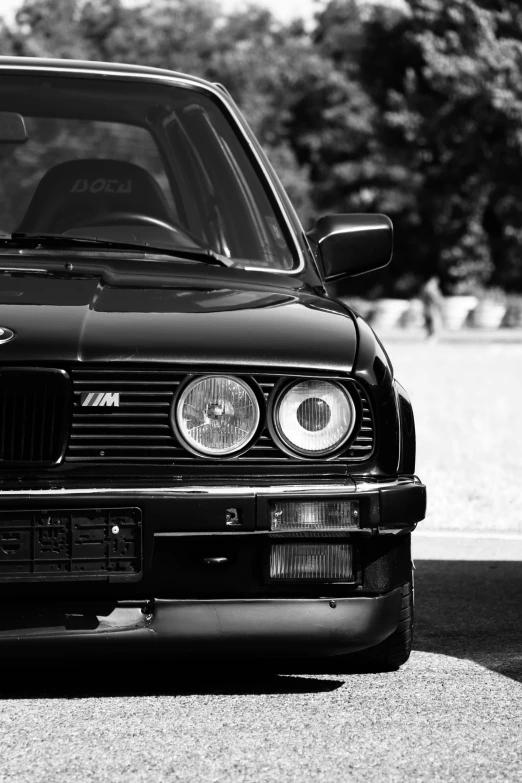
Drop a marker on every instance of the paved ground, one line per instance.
(453, 713)
(465, 545)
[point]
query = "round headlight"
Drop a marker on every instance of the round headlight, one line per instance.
(217, 414)
(314, 417)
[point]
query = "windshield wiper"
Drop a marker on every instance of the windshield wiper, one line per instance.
(21, 240)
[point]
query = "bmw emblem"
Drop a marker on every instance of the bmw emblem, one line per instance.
(6, 335)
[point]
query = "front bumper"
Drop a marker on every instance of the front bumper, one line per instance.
(189, 607)
(259, 627)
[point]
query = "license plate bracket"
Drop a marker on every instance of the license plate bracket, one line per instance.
(53, 545)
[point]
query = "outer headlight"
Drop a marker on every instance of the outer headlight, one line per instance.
(314, 417)
(217, 414)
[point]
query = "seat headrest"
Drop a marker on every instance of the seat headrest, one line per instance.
(83, 189)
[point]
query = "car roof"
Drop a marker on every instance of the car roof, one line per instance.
(124, 69)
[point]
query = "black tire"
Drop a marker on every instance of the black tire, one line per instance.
(396, 649)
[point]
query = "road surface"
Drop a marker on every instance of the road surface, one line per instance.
(453, 713)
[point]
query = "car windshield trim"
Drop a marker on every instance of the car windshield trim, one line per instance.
(20, 240)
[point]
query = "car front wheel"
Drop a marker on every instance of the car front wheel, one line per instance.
(396, 649)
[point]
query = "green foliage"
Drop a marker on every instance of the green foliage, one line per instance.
(446, 78)
(415, 112)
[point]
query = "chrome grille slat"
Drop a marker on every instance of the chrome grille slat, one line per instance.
(134, 447)
(148, 404)
(131, 437)
(133, 383)
(116, 416)
(133, 426)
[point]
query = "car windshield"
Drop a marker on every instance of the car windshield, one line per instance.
(132, 161)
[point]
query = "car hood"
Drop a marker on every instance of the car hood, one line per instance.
(64, 320)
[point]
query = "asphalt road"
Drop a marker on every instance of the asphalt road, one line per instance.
(453, 713)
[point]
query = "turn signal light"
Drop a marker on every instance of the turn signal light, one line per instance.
(323, 562)
(287, 516)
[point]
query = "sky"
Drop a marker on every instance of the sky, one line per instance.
(284, 9)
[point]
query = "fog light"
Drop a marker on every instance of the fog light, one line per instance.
(288, 516)
(311, 561)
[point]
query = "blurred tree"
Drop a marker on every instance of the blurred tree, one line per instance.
(264, 65)
(447, 80)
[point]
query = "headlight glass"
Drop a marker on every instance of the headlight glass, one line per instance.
(315, 416)
(217, 414)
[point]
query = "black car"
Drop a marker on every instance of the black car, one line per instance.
(200, 448)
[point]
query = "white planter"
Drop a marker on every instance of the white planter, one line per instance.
(413, 318)
(513, 317)
(455, 310)
(387, 313)
(488, 315)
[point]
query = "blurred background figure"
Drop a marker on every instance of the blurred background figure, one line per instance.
(431, 298)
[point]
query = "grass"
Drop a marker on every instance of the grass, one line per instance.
(468, 411)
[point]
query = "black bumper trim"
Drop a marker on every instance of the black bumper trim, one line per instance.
(402, 506)
(259, 627)
(277, 627)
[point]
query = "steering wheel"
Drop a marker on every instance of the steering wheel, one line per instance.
(126, 219)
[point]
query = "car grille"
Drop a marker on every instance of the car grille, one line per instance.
(34, 416)
(139, 430)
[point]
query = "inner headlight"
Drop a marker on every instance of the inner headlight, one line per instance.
(314, 417)
(217, 414)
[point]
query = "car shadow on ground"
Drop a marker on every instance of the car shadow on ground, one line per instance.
(471, 610)
(95, 678)
(463, 609)
(466, 609)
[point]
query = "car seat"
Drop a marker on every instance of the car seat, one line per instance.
(78, 191)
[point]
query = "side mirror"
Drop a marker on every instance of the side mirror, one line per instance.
(12, 128)
(352, 244)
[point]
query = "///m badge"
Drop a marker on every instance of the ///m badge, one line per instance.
(100, 399)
